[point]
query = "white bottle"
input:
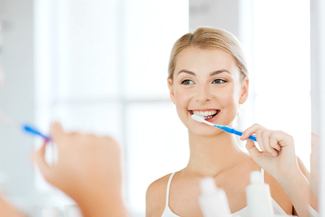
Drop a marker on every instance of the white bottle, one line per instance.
(258, 195)
(212, 200)
(50, 212)
(72, 211)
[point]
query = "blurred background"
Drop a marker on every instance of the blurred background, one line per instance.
(101, 66)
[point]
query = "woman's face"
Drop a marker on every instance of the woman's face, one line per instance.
(206, 82)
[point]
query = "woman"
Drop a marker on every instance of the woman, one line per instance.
(208, 77)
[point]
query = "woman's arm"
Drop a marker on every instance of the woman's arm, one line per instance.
(297, 187)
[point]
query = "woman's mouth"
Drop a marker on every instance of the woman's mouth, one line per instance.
(208, 115)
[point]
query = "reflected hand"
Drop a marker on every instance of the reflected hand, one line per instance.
(87, 168)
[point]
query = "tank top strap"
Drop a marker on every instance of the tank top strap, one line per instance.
(262, 172)
(168, 188)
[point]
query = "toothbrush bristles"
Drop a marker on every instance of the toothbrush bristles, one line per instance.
(197, 118)
(201, 119)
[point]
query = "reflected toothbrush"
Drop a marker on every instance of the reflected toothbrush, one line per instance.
(26, 128)
(222, 127)
(29, 129)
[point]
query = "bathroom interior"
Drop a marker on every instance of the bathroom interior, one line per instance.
(50, 50)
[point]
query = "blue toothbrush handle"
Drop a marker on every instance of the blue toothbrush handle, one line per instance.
(33, 131)
(236, 132)
(252, 138)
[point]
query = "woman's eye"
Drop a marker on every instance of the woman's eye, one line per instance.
(187, 82)
(219, 81)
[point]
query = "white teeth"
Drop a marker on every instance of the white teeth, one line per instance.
(205, 113)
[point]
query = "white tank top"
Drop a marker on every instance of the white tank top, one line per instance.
(167, 211)
(242, 212)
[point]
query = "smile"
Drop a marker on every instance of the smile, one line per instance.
(207, 114)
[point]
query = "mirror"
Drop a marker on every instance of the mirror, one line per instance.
(119, 50)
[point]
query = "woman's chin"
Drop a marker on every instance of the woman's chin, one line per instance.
(205, 132)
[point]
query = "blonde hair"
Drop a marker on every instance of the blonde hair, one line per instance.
(209, 38)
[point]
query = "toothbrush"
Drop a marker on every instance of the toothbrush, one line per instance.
(26, 128)
(222, 127)
(29, 129)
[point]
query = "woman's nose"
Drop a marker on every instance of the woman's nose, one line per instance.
(203, 94)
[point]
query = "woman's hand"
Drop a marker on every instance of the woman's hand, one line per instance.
(275, 152)
(87, 168)
(277, 157)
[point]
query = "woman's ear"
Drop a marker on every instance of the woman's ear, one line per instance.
(171, 89)
(244, 91)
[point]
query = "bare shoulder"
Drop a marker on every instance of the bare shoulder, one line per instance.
(155, 197)
(278, 193)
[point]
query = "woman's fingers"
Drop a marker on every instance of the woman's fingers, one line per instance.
(265, 139)
(252, 149)
(250, 131)
(257, 130)
(39, 159)
(274, 143)
(259, 140)
(57, 132)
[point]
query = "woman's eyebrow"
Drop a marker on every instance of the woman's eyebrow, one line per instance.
(219, 72)
(211, 74)
(185, 71)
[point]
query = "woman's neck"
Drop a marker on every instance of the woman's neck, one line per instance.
(210, 156)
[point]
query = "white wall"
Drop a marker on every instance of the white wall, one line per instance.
(215, 13)
(17, 95)
(318, 96)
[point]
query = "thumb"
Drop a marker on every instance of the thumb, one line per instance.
(39, 160)
(252, 149)
(57, 131)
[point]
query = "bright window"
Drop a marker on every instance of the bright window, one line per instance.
(276, 34)
(102, 67)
